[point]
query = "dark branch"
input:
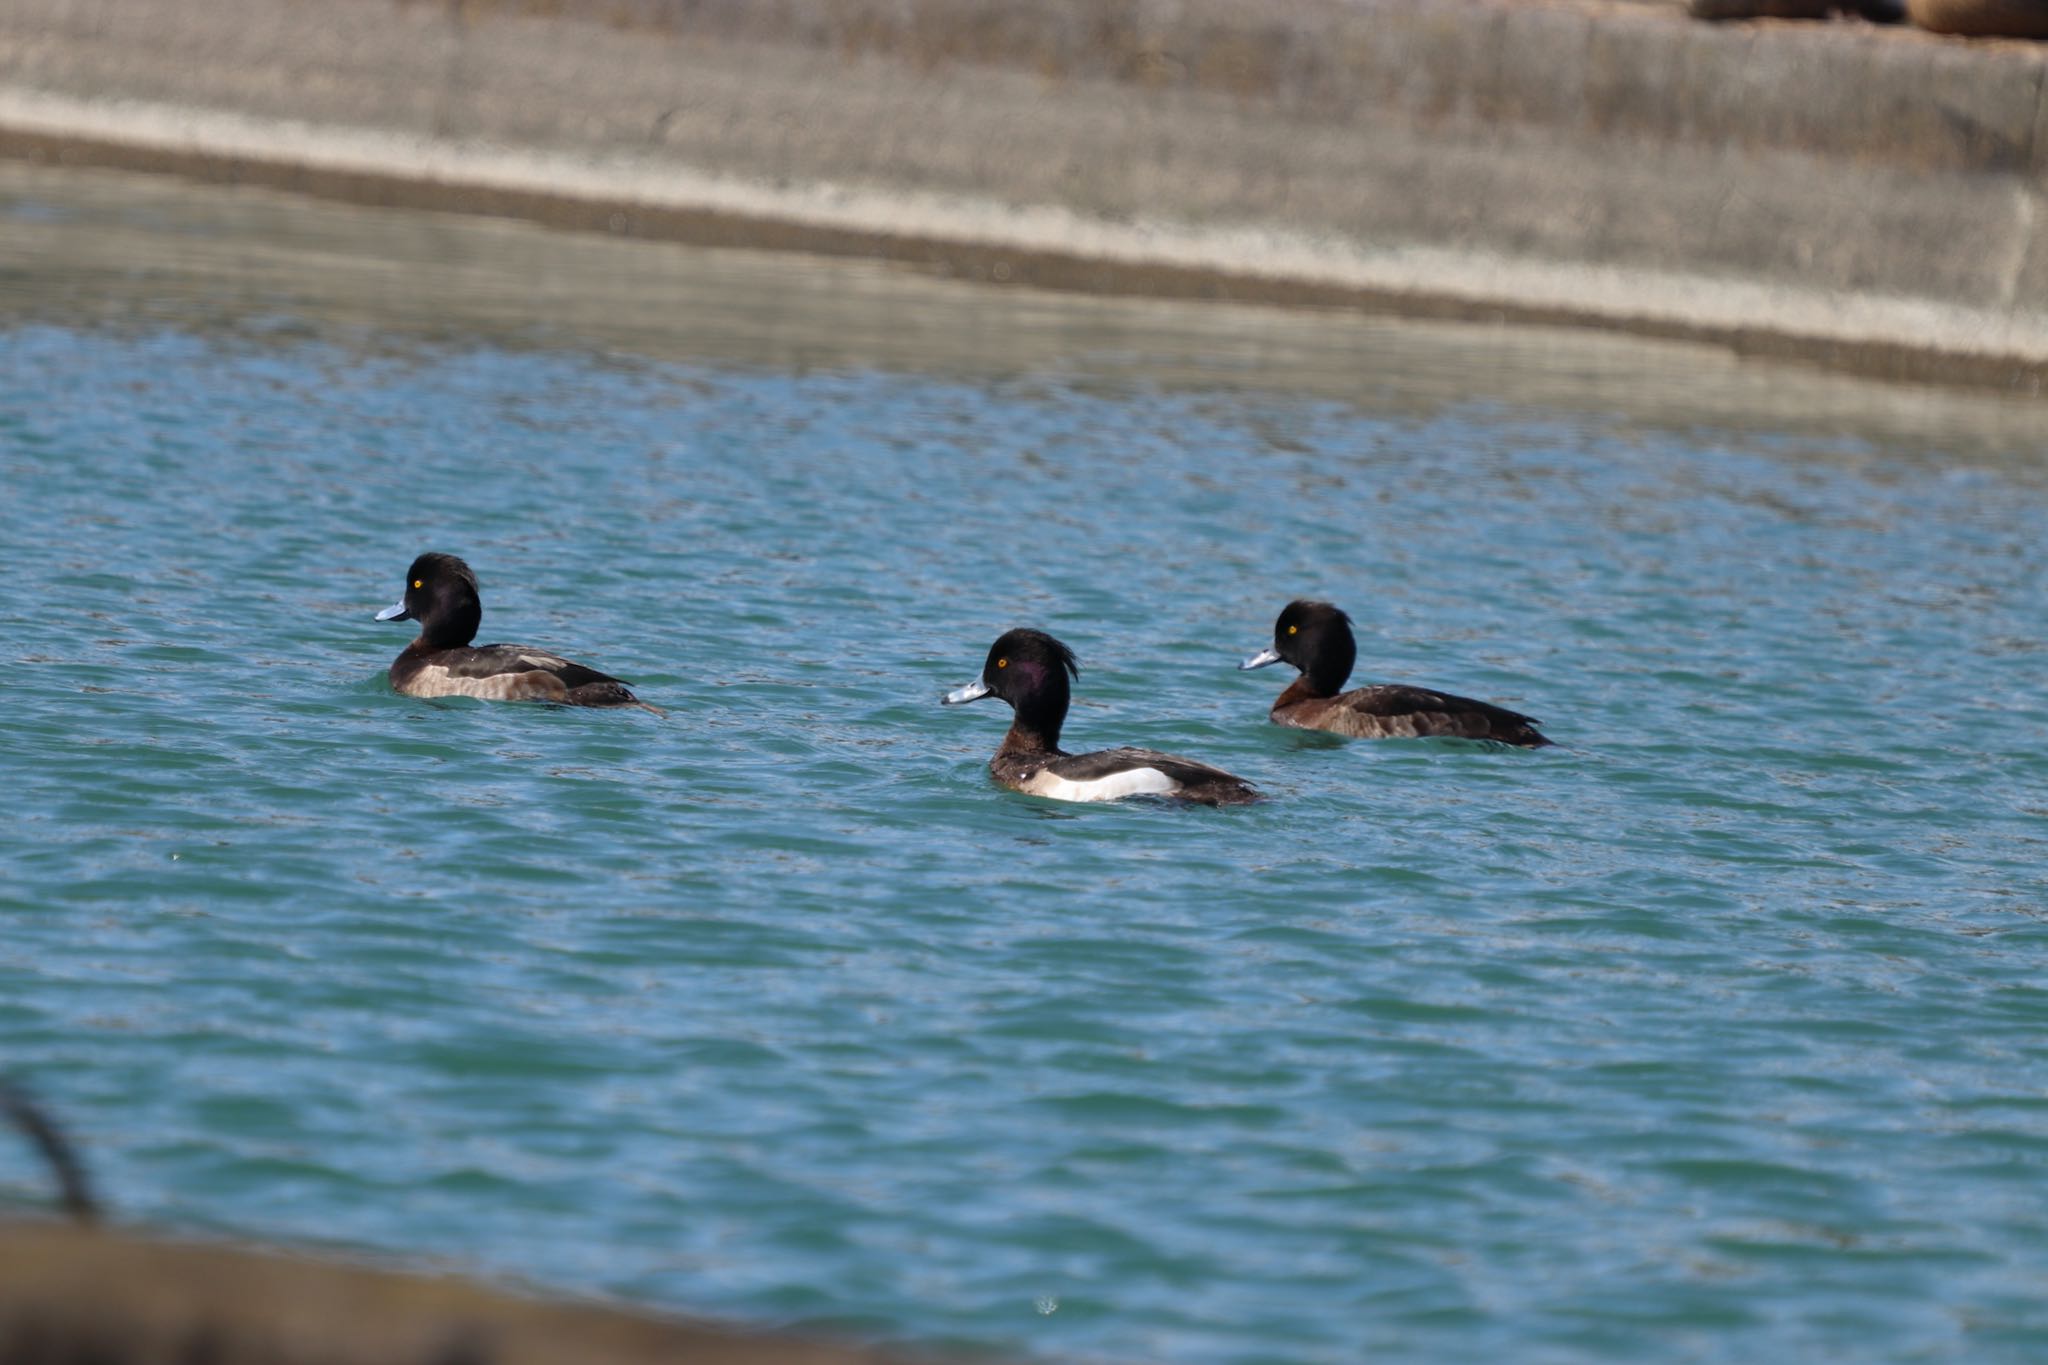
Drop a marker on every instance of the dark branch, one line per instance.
(74, 1191)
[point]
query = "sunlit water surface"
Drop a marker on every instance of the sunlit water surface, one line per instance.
(1718, 1033)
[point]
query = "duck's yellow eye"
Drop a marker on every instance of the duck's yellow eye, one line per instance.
(1290, 629)
(419, 582)
(1002, 663)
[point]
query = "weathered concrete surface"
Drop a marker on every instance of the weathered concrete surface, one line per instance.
(71, 1295)
(1862, 196)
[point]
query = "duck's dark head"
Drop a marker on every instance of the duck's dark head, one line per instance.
(1030, 670)
(1316, 638)
(440, 593)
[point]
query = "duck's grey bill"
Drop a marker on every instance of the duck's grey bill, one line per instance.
(1260, 659)
(394, 612)
(974, 691)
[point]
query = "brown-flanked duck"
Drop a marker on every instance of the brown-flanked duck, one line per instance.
(1316, 638)
(441, 595)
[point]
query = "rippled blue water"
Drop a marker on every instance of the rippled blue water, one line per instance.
(1717, 1032)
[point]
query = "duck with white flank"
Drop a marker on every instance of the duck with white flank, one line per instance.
(1029, 669)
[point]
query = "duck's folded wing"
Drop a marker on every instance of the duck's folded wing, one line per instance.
(489, 661)
(1394, 708)
(1129, 765)
(1395, 699)
(1108, 762)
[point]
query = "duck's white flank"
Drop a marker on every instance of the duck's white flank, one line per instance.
(1130, 782)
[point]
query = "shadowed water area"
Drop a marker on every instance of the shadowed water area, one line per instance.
(1715, 1033)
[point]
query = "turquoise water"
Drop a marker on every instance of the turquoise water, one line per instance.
(1715, 1033)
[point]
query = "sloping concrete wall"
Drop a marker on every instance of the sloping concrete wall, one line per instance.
(70, 1294)
(1867, 197)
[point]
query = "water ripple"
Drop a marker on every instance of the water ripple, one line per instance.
(1715, 1032)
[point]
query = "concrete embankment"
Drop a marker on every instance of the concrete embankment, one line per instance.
(82, 1294)
(1856, 196)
